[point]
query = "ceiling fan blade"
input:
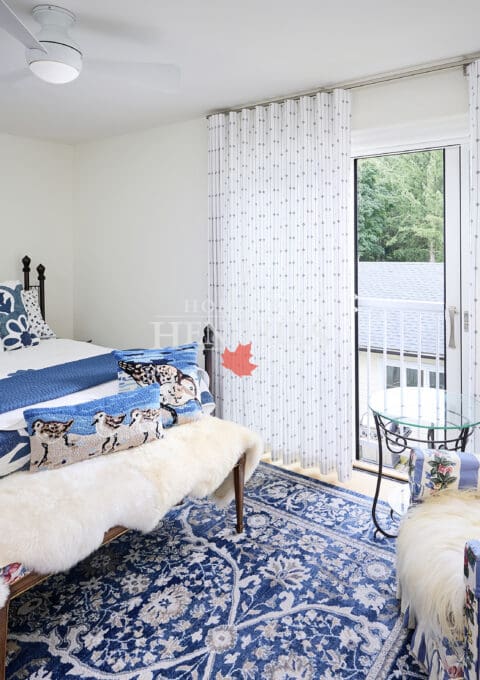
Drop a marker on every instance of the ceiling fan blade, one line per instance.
(12, 24)
(164, 77)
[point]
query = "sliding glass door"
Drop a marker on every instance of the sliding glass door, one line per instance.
(407, 278)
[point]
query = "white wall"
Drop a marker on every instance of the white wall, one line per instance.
(140, 234)
(140, 212)
(419, 112)
(441, 94)
(36, 219)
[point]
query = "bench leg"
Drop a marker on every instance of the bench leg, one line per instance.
(3, 639)
(239, 482)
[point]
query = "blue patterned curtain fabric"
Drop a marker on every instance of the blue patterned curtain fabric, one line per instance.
(281, 274)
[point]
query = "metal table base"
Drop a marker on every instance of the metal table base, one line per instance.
(397, 440)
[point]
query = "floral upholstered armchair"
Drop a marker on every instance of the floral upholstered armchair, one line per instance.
(438, 563)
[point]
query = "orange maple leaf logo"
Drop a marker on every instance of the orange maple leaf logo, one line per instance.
(238, 361)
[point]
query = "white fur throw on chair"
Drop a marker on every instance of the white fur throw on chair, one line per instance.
(51, 520)
(430, 553)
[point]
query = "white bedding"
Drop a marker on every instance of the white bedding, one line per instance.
(50, 353)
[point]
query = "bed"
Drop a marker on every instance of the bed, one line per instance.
(213, 456)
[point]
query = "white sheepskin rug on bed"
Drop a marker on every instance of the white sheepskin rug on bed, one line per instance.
(430, 548)
(50, 520)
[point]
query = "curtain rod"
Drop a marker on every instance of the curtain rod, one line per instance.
(386, 77)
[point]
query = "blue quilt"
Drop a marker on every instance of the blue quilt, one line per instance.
(25, 388)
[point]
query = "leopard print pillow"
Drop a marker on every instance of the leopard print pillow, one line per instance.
(36, 322)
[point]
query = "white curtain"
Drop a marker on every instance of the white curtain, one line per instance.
(472, 271)
(281, 274)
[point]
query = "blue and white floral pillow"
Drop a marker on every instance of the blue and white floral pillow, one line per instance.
(432, 471)
(15, 330)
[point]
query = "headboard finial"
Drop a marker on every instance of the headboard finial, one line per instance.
(26, 271)
(26, 261)
(208, 345)
(41, 286)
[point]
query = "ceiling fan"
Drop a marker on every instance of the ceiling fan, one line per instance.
(54, 57)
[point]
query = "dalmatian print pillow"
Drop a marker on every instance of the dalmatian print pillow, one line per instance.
(35, 320)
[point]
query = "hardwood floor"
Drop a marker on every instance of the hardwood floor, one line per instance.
(361, 481)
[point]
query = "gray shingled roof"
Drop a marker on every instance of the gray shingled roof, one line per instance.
(421, 281)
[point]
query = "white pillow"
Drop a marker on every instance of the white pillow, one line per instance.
(35, 320)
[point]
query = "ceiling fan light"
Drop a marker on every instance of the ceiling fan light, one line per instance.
(61, 64)
(54, 72)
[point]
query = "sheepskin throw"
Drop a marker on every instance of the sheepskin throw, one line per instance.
(51, 521)
(430, 555)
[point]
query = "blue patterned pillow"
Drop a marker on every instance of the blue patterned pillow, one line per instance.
(68, 434)
(183, 391)
(14, 451)
(14, 327)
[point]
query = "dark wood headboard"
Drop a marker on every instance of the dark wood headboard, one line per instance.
(208, 347)
(26, 261)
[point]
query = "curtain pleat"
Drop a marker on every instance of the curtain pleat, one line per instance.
(472, 272)
(281, 274)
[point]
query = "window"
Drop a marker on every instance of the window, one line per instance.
(432, 380)
(412, 377)
(393, 376)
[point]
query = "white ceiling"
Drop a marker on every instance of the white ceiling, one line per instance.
(230, 52)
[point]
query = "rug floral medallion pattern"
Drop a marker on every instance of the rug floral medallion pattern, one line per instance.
(306, 593)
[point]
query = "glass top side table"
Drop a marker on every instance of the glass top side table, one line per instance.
(405, 416)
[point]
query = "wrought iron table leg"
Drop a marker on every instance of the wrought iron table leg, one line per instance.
(378, 528)
(397, 438)
(463, 438)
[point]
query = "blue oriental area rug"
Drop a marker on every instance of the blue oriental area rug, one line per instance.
(306, 593)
